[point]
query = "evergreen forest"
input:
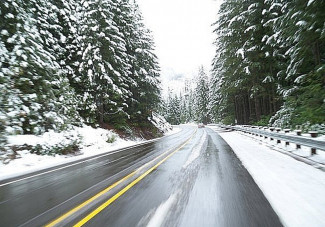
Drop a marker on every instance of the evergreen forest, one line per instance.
(269, 68)
(70, 62)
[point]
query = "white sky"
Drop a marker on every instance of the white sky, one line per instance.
(182, 33)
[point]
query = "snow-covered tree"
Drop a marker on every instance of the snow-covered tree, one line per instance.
(66, 58)
(268, 51)
(201, 102)
(300, 28)
(30, 61)
(103, 67)
(244, 84)
(143, 82)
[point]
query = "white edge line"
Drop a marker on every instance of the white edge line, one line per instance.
(77, 163)
(67, 166)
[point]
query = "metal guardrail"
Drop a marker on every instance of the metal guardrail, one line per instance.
(295, 139)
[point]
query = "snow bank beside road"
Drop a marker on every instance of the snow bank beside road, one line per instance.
(93, 142)
(295, 190)
(160, 122)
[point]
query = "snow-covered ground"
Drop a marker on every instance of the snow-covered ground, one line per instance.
(93, 142)
(304, 153)
(295, 190)
(160, 122)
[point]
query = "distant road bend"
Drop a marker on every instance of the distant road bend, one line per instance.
(192, 178)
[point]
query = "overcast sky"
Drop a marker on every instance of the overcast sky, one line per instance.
(182, 33)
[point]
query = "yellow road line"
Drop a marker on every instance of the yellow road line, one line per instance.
(117, 195)
(72, 211)
(61, 218)
(80, 206)
(64, 216)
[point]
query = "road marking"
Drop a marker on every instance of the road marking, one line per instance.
(90, 159)
(80, 206)
(72, 211)
(80, 162)
(63, 167)
(64, 216)
(117, 195)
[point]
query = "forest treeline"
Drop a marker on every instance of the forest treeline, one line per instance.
(269, 67)
(67, 62)
(270, 62)
(191, 104)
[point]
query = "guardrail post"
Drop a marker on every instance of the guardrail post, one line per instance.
(265, 137)
(260, 129)
(298, 146)
(312, 143)
(287, 131)
(278, 130)
(272, 129)
(313, 134)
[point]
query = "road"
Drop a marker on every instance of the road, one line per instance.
(192, 178)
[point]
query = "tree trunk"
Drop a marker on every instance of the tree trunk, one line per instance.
(250, 107)
(316, 53)
(236, 110)
(257, 109)
(244, 110)
(101, 109)
(271, 109)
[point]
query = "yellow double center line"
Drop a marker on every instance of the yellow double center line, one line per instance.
(117, 195)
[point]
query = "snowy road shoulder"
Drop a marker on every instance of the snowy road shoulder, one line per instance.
(94, 142)
(295, 190)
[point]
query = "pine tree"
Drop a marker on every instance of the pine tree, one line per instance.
(245, 64)
(31, 65)
(202, 97)
(228, 62)
(268, 52)
(301, 29)
(173, 113)
(61, 59)
(143, 82)
(103, 64)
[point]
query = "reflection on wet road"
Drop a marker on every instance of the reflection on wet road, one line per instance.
(194, 180)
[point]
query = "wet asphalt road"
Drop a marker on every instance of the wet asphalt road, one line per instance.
(202, 184)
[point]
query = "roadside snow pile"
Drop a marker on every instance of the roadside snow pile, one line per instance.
(160, 122)
(295, 190)
(98, 137)
(59, 148)
(52, 143)
(303, 152)
(99, 140)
